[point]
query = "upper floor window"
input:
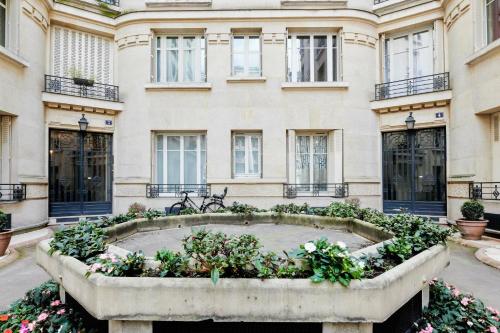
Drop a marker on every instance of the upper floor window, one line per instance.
(492, 20)
(180, 59)
(3, 21)
(408, 56)
(312, 58)
(247, 158)
(246, 55)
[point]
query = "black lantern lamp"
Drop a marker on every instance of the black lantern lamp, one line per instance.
(410, 122)
(83, 123)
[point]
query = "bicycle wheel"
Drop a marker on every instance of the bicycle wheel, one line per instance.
(213, 207)
(176, 208)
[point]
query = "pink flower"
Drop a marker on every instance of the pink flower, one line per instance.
(114, 260)
(55, 303)
(493, 329)
(60, 312)
(455, 292)
(42, 316)
(496, 318)
(31, 326)
(24, 328)
(465, 301)
(492, 310)
(427, 329)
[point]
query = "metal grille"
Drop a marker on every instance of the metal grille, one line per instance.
(412, 86)
(333, 190)
(158, 190)
(12, 192)
(81, 88)
(484, 190)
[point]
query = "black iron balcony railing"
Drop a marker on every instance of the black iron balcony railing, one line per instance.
(12, 192)
(111, 2)
(412, 86)
(81, 88)
(333, 190)
(484, 190)
(166, 190)
(380, 1)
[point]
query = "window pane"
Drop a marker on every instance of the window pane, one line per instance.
(173, 167)
(239, 143)
(289, 59)
(254, 163)
(400, 58)
(254, 64)
(190, 166)
(422, 54)
(173, 142)
(492, 20)
(320, 59)
(203, 166)
(2, 24)
(190, 142)
(159, 159)
(254, 44)
(320, 160)
(302, 160)
(334, 57)
(158, 59)
(239, 44)
(172, 66)
(203, 66)
(189, 68)
(171, 42)
(238, 64)
(239, 162)
(303, 56)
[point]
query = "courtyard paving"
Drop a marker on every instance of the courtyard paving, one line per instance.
(465, 271)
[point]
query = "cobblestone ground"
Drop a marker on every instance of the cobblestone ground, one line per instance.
(465, 272)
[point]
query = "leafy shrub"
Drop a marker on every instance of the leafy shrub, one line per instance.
(342, 210)
(172, 264)
(83, 241)
(3, 221)
(330, 262)
(291, 209)
(152, 214)
(472, 210)
(111, 265)
(118, 219)
(41, 311)
(136, 209)
(450, 310)
(243, 210)
(189, 211)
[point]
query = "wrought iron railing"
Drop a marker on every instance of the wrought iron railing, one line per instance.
(12, 192)
(333, 190)
(111, 2)
(81, 88)
(379, 1)
(412, 86)
(159, 190)
(484, 190)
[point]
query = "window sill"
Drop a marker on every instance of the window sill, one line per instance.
(481, 54)
(179, 86)
(12, 57)
(314, 85)
(178, 3)
(245, 79)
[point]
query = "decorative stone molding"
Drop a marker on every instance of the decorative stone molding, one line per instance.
(322, 3)
(218, 38)
(456, 13)
(359, 38)
(35, 15)
(273, 38)
(133, 40)
(412, 107)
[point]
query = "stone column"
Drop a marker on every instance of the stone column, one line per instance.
(129, 326)
(347, 328)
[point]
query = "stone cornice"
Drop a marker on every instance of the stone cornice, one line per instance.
(456, 12)
(36, 15)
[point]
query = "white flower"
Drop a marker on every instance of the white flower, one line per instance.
(470, 323)
(341, 244)
(310, 247)
(361, 264)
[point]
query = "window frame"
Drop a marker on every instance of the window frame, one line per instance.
(311, 156)
(160, 58)
(246, 53)
(5, 23)
(164, 150)
(486, 23)
(333, 74)
(248, 150)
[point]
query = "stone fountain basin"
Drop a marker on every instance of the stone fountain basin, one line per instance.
(249, 300)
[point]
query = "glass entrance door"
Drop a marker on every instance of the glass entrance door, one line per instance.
(80, 173)
(414, 172)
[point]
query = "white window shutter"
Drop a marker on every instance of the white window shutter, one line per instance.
(87, 53)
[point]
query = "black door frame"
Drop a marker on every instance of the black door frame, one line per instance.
(81, 207)
(433, 208)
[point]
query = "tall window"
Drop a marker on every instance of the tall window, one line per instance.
(246, 55)
(180, 59)
(312, 58)
(247, 156)
(181, 159)
(3, 21)
(311, 160)
(492, 20)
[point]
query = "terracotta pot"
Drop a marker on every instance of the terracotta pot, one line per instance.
(472, 230)
(5, 237)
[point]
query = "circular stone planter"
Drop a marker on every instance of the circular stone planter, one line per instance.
(472, 230)
(132, 304)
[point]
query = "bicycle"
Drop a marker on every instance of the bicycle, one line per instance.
(216, 203)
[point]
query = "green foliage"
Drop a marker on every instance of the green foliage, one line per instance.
(342, 210)
(398, 250)
(173, 264)
(83, 241)
(331, 262)
(450, 310)
(291, 209)
(472, 210)
(42, 311)
(3, 221)
(111, 265)
(118, 219)
(136, 209)
(152, 214)
(189, 211)
(244, 210)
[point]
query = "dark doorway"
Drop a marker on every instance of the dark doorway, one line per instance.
(80, 173)
(209, 326)
(414, 171)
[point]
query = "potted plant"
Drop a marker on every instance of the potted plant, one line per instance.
(472, 225)
(78, 78)
(5, 234)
